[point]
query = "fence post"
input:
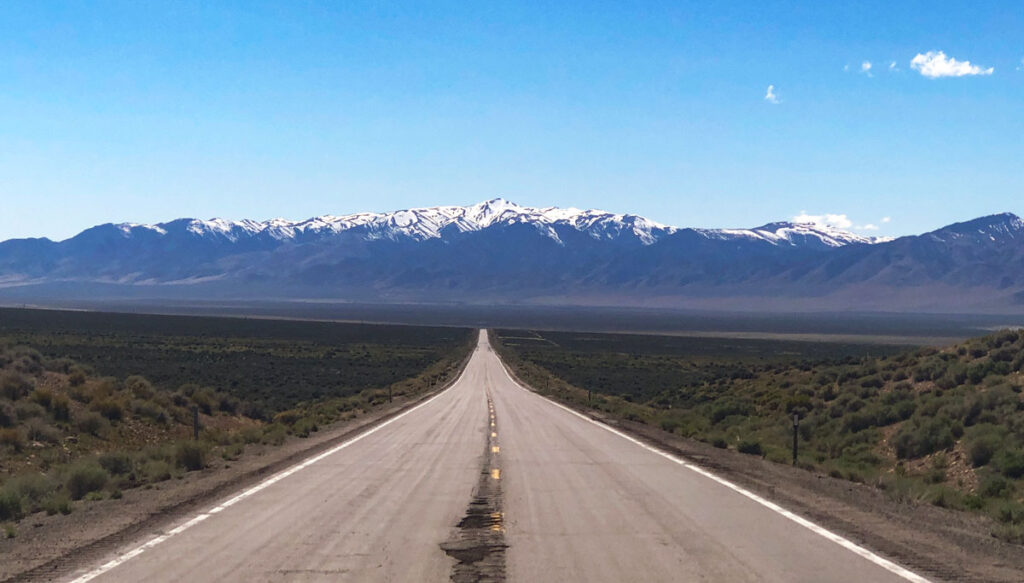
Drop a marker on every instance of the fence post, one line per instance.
(796, 435)
(195, 422)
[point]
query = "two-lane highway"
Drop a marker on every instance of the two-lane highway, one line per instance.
(580, 503)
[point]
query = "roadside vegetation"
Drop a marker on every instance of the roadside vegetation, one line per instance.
(120, 414)
(943, 426)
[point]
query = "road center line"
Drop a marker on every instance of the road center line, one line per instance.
(813, 527)
(90, 575)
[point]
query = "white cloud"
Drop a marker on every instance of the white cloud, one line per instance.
(867, 227)
(846, 67)
(892, 67)
(886, 219)
(865, 68)
(1020, 67)
(935, 64)
(825, 220)
(770, 95)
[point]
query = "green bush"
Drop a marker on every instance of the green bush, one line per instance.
(10, 505)
(1010, 463)
(11, 438)
(85, 477)
(43, 397)
(61, 408)
(750, 447)
(109, 408)
(139, 386)
(116, 463)
(190, 455)
(155, 470)
(31, 487)
(919, 438)
(91, 423)
(304, 427)
(57, 502)
(8, 416)
(994, 487)
(14, 385)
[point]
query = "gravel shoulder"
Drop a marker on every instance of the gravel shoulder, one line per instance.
(47, 547)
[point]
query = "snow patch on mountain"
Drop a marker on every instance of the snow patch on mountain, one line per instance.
(420, 224)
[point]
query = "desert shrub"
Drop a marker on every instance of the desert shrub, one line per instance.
(91, 423)
(139, 386)
(289, 417)
(43, 397)
(10, 505)
(228, 404)
(31, 488)
(204, 399)
(919, 438)
(727, 409)
(61, 365)
(85, 477)
(11, 438)
(274, 434)
(109, 408)
(39, 430)
(982, 443)
(1010, 463)
(719, 442)
(994, 487)
(14, 385)
(116, 463)
(303, 427)
(233, 452)
(751, 447)
(77, 377)
(60, 408)
(28, 410)
(149, 410)
(252, 434)
(190, 455)
(8, 416)
(57, 502)
(155, 470)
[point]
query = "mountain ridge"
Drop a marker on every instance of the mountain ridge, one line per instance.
(499, 252)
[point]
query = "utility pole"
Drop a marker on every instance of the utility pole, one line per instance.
(796, 435)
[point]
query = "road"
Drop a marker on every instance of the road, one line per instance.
(572, 501)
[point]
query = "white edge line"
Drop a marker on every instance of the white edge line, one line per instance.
(127, 556)
(815, 528)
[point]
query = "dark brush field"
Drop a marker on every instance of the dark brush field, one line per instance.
(274, 364)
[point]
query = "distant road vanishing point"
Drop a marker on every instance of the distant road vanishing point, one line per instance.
(488, 481)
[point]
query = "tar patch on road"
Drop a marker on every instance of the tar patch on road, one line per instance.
(479, 544)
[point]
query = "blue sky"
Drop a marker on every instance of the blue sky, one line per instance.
(144, 112)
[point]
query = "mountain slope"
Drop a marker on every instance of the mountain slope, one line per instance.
(496, 252)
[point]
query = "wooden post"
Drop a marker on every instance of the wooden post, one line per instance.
(195, 422)
(796, 435)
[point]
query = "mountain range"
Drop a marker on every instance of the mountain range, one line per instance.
(497, 252)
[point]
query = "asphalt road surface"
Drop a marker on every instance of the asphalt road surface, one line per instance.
(574, 502)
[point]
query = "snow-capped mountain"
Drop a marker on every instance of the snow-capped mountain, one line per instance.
(431, 223)
(497, 252)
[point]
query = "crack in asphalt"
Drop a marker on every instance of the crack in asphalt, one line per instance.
(478, 546)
